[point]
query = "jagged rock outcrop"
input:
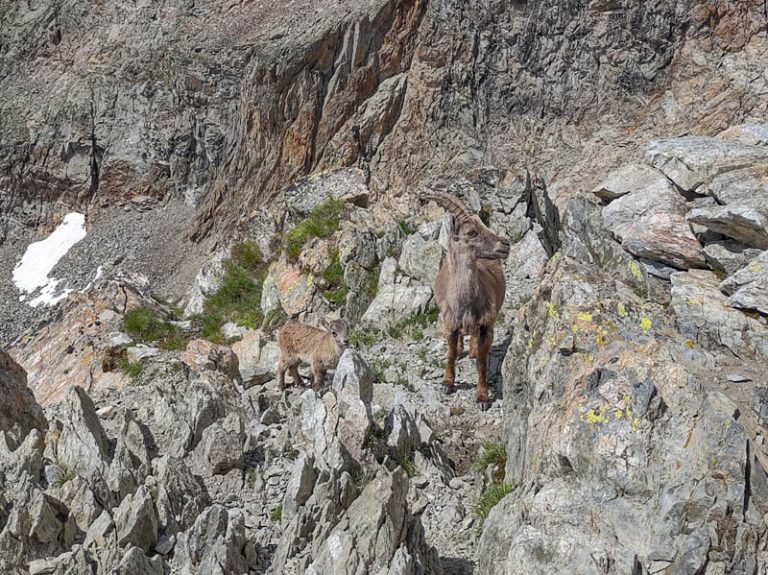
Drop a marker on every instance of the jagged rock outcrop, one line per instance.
(19, 413)
(613, 405)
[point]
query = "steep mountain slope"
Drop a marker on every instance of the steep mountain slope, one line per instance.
(238, 163)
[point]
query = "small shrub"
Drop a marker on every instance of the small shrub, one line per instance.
(247, 255)
(238, 299)
(276, 515)
(490, 498)
(337, 297)
(274, 319)
(414, 325)
(320, 223)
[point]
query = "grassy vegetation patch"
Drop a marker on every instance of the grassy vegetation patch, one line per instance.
(493, 453)
(276, 515)
(407, 464)
(132, 369)
(406, 227)
(365, 337)
(414, 325)
(145, 326)
(335, 291)
(320, 223)
(64, 477)
(490, 497)
(372, 287)
(238, 299)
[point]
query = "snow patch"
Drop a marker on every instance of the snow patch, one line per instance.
(31, 273)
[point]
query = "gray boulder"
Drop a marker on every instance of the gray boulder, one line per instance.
(750, 134)
(705, 316)
(300, 485)
(747, 186)
(214, 545)
(742, 222)
(136, 521)
(748, 287)
(633, 178)
(375, 527)
(692, 161)
(353, 386)
(221, 448)
(421, 258)
(729, 256)
(180, 497)
(397, 298)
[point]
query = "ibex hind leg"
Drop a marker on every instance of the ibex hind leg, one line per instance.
(450, 366)
(485, 341)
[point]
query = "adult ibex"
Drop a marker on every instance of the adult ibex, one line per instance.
(469, 288)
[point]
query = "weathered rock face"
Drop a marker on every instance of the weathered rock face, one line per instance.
(19, 413)
(401, 87)
(611, 404)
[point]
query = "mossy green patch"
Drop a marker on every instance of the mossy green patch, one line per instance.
(145, 326)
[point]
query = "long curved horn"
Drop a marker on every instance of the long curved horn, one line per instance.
(447, 201)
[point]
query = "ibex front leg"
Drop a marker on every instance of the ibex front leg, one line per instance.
(484, 343)
(450, 366)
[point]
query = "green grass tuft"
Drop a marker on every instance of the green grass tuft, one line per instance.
(64, 477)
(251, 477)
(414, 325)
(490, 498)
(493, 453)
(276, 515)
(335, 291)
(131, 368)
(372, 286)
(407, 464)
(406, 227)
(320, 223)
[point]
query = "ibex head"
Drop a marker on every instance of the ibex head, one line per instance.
(339, 329)
(469, 234)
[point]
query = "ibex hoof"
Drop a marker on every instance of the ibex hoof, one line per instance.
(484, 405)
(448, 389)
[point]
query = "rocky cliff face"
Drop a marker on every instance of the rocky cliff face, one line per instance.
(226, 104)
(238, 164)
